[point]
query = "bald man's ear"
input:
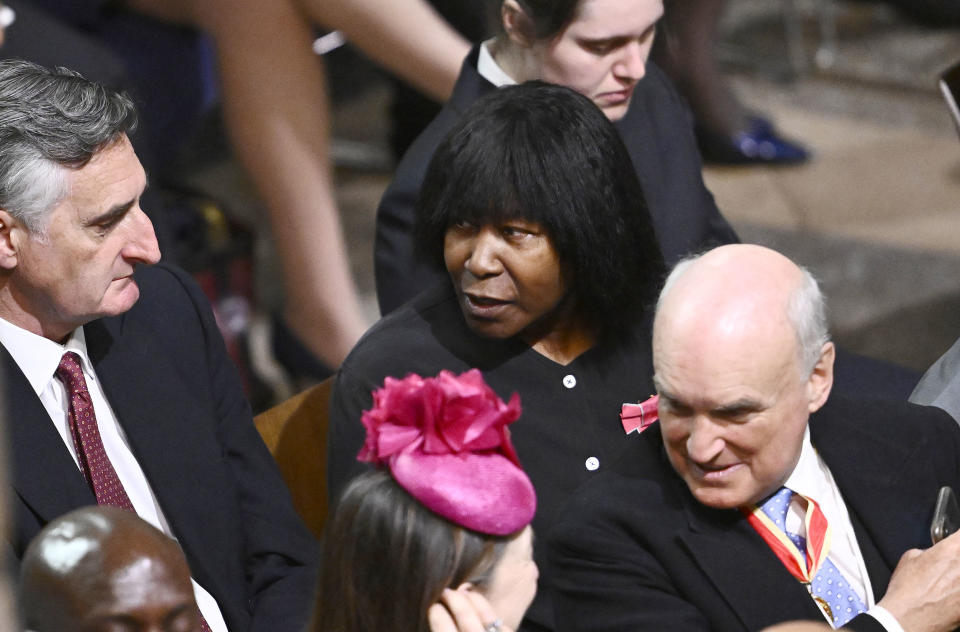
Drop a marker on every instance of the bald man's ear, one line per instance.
(8, 240)
(821, 378)
(517, 24)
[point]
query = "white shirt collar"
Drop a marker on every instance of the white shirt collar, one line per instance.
(810, 477)
(39, 357)
(490, 70)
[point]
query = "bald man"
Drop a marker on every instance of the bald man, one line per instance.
(103, 568)
(754, 500)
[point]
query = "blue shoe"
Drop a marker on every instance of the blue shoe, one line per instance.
(759, 145)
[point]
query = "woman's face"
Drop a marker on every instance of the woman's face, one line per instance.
(513, 583)
(603, 52)
(507, 277)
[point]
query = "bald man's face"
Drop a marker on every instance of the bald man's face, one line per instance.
(733, 410)
(144, 594)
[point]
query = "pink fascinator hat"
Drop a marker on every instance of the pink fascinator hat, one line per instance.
(446, 442)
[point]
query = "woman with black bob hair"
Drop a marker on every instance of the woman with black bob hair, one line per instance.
(533, 157)
(532, 207)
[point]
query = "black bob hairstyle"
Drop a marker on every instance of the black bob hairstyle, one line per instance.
(546, 154)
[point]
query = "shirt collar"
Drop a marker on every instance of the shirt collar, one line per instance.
(810, 476)
(490, 70)
(39, 357)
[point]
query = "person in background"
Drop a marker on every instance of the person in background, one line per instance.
(438, 535)
(727, 133)
(277, 113)
(96, 568)
(599, 48)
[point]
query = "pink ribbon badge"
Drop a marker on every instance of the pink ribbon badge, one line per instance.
(639, 416)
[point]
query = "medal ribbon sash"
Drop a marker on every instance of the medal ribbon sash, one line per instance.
(803, 566)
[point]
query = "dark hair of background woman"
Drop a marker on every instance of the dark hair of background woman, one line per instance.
(548, 17)
(546, 154)
(387, 559)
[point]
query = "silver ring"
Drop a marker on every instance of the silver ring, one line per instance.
(496, 626)
(7, 16)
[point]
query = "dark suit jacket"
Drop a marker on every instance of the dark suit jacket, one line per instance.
(656, 131)
(165, 372)
(636, 551)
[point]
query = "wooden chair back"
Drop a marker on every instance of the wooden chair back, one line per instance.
(295, 431)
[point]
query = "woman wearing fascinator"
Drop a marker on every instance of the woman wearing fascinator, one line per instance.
(437, 536)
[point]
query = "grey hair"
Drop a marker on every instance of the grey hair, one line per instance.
(51, 121)
(806, 311)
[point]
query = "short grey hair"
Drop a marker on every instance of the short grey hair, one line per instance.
(50, 121)
(806, 311)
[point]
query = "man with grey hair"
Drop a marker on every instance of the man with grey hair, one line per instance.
(754, 500)
(118, 387)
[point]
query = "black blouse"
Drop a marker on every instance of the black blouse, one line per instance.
(569, 428)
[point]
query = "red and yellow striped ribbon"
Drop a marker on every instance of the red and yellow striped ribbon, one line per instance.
(803, 566)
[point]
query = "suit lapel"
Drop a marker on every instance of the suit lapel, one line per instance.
(168, 435)
(889, 511)
(742, 568)
(877, 568)
(49, 486)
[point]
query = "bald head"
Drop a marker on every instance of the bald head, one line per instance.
(743, 288)
(99, 566)
(741, 358)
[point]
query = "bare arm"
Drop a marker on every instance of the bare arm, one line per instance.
(406, 36)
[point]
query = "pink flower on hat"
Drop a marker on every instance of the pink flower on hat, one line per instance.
(447, 414)
(445, 440)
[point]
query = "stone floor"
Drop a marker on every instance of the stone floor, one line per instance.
(875, 214)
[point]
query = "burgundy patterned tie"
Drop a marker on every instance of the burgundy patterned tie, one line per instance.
(94, 463)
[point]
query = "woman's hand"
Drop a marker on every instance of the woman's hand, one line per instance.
(464, 610)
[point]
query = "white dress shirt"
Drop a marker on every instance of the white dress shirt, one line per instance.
(811, 478)
(38, 359)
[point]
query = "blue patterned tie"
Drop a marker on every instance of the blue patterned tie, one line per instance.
(829, 585)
